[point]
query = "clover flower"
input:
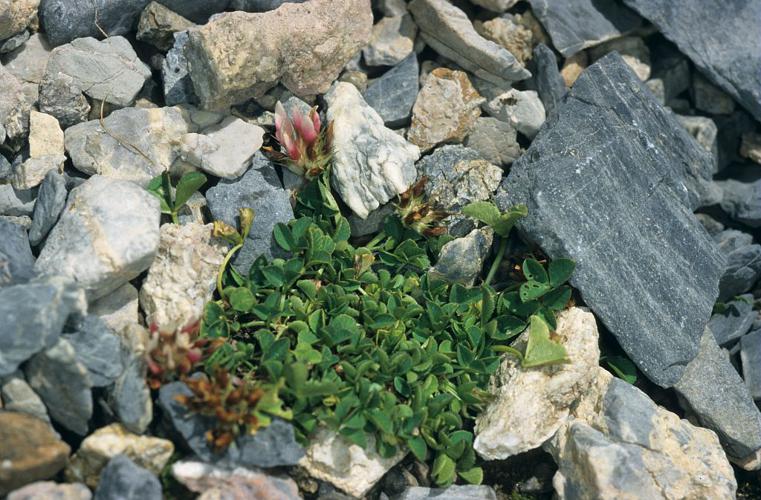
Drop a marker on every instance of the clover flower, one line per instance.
(305, 146)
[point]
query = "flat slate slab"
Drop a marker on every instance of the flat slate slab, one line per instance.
(720, 36)
(610, 182)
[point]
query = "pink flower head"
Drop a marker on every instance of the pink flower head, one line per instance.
(304, 147)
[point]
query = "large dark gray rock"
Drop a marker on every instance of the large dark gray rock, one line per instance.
(549, 84)
(259, 5)
(195, 10)
(742, 271)
(271, 446)
(609, 182)
(32, 317)
(51, 199)
(734, 321)
(16, 259)
(130, 398)
(178, 87)
(574, 25)
(394, 93)
(713, 391)
(122, 479)
(65, 20)
(719, 36)
(98, 349)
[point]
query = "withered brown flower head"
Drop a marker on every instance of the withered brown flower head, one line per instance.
(418, 214)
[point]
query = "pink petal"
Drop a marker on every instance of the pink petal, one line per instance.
(306, 129)
(315, 116)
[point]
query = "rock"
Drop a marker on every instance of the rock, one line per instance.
(711, 225)
(454, 492)
(101, 446)
(742, 271)
(730, 240)
(147, 144)
(506, 32)
(14, 42)
(751, 147)
(61, 97)
(259, 5)
(709, 98)
(371, 164)
(521, 109)
(31, 450)
(585, 177)
(107, 70)
(27, 63)
(510, 424)
(178, 87)
(224, 150)
(573, 67)
(260, 189)
(118, 309)
(16, 202)
(549, 84)
(446, 109)
(694, 30)
(750, 354)
(158, 25)
(496, 141)
(183, 275)
(391, 41)
(713, 392)
(462, 259)
(271, 446)
(734, 322)
(130, 398)
(194, 209)
(63, 384)
(620, 442)
(393, 94)
(347, 466)
(704, 131)
(633, 51)
(14, 108)
(196, 11)
(48, 490)
(16, 258)
(121, 479)
(240, 483)
(495, 5)
(457, 176)
(66, 20)
(16, 16)
(373, 223)
(304, 46)
(51, 199)
(673, 70)
(41, 307)
(578, 24)
(742, 201)
(31, 172)
(449, 32)
(98, 349)
(18, 396)
(107, 235)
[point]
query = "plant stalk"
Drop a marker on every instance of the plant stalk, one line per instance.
(222, 268)
(497, 260)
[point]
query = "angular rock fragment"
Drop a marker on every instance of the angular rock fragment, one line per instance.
(178, 87)
(196, 11)
(734, 322)
(613, 158)
(520, 108)
(130, 398)
(508, 33)
(18, 396)
(461, 260)
(496, 141)
(107, 235)
(158, 25)
(260, 189)
(121, 479)
(240, 482)
(446, 109)
(239, 55)
(16, 202)
(742, 271)
(16, 16)
(577, 24)
(61, 97)
(224, 150)
(742, 201)
(51, 198)
(16, 258)
(28, 62)
(14, 108)
(454, 492)
(633, 51)
(394, 93)
(48, 490)
(714, 35)
(98, 349)
(704, 131)
(392, 40)
(450, 33)
(750, 354)
(549, 84)
(107, 70)
(182, 278)
(372, 163)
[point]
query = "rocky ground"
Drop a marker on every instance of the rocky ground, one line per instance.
(630, 129)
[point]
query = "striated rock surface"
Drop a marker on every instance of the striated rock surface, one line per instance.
(183, 275)
(16, 258)
(449, 32)
(107, 235)
(225, 149)
(240, 55)
(372, 164)
(446, 109)
(394, 93)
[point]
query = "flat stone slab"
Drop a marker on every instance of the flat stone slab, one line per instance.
(720, 37)
(610, 182)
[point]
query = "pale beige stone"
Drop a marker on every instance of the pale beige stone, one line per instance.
(45, 135)
(503, 31)
(446, 109)
(98, 448)
(573, 67)
(15, 15)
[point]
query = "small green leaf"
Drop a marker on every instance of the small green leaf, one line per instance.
(418, 448)
(241, 299)
(540, 350)
(443, 470)
(283, 237)
(188, 184)
(472, 476)
(534, 271)
(561, 271)
(532, 290)
(484, 211)
(623, 368)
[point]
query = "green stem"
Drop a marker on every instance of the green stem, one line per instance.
(175, 218)
(222, 268)
(497, 260)
(377, 239)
